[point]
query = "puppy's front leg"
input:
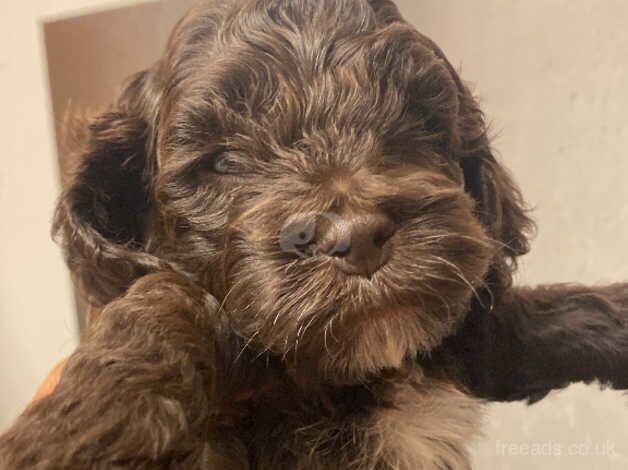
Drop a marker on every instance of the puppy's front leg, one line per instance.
(544, 338)
(139, 392)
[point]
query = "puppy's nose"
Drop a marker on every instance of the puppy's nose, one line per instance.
(359, 243)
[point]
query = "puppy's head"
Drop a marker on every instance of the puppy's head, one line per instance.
(318, 166)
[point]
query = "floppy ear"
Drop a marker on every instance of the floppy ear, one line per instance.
(101, 219)
(499, 204)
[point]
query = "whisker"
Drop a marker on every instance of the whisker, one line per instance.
(458, 272)
(246, 345)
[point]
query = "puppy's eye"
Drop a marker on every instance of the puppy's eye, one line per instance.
(224, 164)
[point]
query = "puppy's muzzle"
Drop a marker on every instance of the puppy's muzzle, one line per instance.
(358, 243)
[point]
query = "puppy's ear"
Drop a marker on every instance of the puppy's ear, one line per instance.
(101, 219)
(499, 204)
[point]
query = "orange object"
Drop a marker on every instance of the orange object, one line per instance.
(50, 383)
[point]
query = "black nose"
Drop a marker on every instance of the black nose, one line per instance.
(358, 243)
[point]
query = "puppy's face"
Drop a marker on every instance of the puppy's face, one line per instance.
(320, 170)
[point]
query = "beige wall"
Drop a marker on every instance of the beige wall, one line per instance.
(553, 77)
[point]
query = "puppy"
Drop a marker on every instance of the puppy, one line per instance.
(303, 248)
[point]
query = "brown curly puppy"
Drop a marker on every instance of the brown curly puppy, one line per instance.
(304, 248)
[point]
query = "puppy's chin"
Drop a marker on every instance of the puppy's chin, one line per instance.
(354, 335)
(369, 343)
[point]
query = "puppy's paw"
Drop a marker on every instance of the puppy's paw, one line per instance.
(137, 393)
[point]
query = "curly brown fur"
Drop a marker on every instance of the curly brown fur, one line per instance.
(137, 392)
(219, 348)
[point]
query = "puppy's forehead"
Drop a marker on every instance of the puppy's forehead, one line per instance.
(283, 70)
